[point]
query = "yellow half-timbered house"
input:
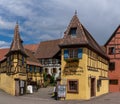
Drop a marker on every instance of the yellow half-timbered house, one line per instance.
(19, 67)
(84, 65)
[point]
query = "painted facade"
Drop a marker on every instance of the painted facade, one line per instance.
(113, 51)
(84, 65)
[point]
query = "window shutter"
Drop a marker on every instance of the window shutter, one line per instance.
(80, 53)
(66, 52)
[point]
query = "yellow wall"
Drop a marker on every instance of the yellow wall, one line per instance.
(98, 67)
(7, 83)
(36, 76)
(7, 79)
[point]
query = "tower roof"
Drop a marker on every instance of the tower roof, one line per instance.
(81, 38)
(17, 42)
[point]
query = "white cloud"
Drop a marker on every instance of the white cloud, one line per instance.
(6, 24)
(4, 44)
(38, 18)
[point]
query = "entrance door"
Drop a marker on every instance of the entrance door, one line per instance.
(92, 87)
(17, 88)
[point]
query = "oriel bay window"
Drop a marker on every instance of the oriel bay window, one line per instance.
(72, 86)
(73, 53)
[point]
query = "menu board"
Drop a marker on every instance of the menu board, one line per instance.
(61, 91)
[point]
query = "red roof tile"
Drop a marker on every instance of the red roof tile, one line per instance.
(32, 47)
(3, 52)
(31, 59)
(83, 37)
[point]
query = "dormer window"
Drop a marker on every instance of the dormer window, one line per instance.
(73, 31)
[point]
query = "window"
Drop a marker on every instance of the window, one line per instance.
(111, 50)
(46, 70)
(50, 61)
(46, 61)
(113, 82)
(22, 60)
(9, 60)
(66, 54)
(35, 69)
(73, 86)
(112, 66)
(30, 68)
(40, 69)
(54, 61)
(79, 53)
(73, 53)
(98, 85)
(73, 31)
(42, 61)
(54, 70)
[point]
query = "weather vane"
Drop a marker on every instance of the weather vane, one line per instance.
(75, 12)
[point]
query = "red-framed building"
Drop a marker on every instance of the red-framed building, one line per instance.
(113, 51)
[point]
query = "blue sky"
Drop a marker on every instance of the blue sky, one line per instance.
(42, 20)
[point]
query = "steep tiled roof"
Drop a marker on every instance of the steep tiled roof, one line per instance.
(103, 48)
(3, 52)
(48, 49)
(114, 33)
(17, 42)
(32, 59)
(83, 37)
(32, 47)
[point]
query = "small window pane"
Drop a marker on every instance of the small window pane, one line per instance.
(113, 82)
(73, 86)
(73, 31)
(112, 66)
(80, 53)
(111, 50)
(66, 54)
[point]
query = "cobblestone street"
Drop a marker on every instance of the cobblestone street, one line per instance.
(43, 96)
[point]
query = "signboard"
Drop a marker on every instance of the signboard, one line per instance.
(21, 83)
(61, 91)
(73, 69)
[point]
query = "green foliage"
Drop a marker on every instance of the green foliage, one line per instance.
(45, 76)
(52, 79)
(48, 81)
(72, 60)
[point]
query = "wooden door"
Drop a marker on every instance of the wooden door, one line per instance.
(92, 87)
(17, 88)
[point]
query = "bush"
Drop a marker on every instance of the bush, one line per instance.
(52, 79)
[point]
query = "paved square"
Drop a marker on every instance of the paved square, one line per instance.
(43, 96)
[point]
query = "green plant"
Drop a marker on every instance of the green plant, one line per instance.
(52, 79)
(45, 76)
(72, 60)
